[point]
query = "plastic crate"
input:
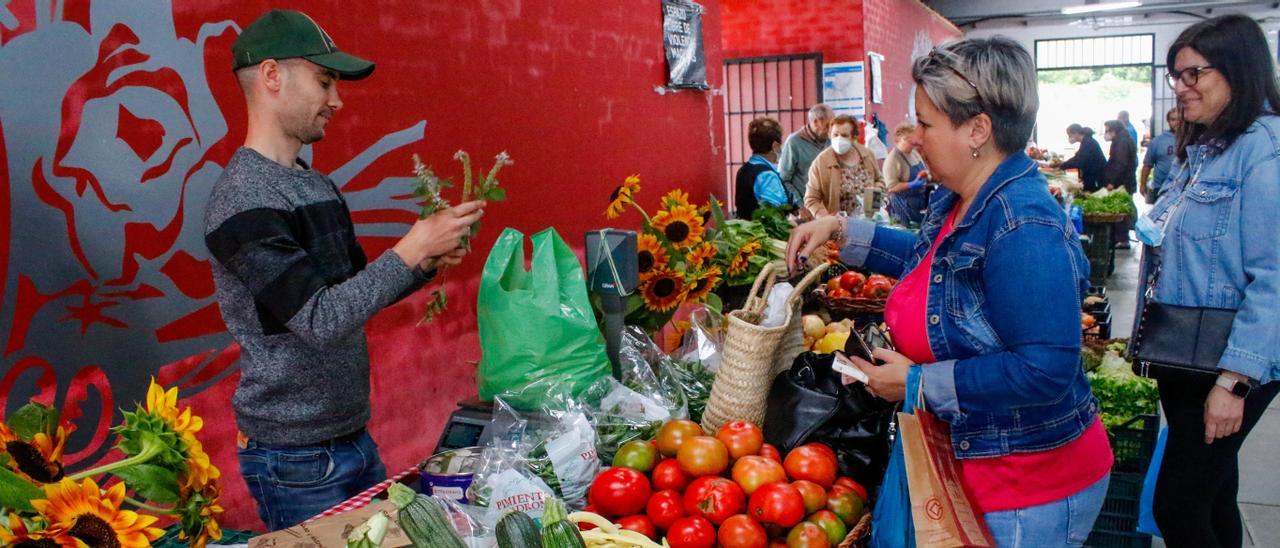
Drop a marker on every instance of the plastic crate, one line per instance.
(1098, 290)
(1134, 443)
(1101, 331)
(1117, 524)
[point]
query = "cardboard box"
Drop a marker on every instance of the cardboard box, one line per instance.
(332, 531)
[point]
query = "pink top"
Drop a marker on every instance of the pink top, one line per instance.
(1012, 481)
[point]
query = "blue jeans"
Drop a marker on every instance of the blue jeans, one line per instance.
(292, 484)
(1063, 522)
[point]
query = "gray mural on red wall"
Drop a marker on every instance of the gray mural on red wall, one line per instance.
(113, 127)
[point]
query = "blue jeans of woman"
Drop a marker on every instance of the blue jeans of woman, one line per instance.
(292, 484)
(1063, 522)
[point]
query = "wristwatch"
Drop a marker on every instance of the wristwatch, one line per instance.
(1239, 389)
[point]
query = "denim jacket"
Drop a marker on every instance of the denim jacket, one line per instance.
(1221, 247)
(1003, 313)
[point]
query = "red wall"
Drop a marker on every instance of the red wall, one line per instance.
(567, 88)
(895, 29)
(842, 31)
(753, 28)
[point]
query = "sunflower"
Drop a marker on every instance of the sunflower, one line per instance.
(681, 225)
(663, 291)
(623, 196)
(742, 259)
(675, 198)
(19, 536)
(703, 284)
(94, 516)
(38, 459)
(198, 513)
(701, 254)
(652, 256)
(164, 404)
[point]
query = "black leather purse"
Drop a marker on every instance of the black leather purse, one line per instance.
(1179, 339)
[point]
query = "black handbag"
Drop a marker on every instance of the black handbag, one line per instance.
(1179, 339)
(808, 403)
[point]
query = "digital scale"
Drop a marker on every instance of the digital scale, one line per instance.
(612, 274)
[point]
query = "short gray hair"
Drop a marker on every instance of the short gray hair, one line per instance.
(976, 75)
(821, 111)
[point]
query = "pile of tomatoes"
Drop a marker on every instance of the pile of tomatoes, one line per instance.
(731, 489)
(853, 284)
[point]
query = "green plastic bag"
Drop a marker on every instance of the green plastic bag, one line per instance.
(539, 323)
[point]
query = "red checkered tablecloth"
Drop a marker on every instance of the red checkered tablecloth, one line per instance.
(364, 498)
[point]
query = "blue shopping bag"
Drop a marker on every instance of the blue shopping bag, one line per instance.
(891, 524)
(1146, 517)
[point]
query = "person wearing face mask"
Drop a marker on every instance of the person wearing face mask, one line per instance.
(841, 173)
(757, 181)
(1210, 244)
(1122, 164)
(799, 150)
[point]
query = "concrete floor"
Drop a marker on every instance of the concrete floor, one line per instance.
(1259, 497)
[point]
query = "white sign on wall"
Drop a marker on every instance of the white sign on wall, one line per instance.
(844, 88)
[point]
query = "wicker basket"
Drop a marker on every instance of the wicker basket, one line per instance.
(860, 535)
(850, 306)
(754, 355)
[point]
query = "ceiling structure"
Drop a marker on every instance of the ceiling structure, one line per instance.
(972, 14)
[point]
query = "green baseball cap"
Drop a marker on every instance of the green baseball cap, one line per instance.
(289, 34)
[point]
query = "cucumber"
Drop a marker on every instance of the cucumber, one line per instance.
(518, 530)
(557, 530)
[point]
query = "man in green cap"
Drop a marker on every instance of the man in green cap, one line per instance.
(294, 287)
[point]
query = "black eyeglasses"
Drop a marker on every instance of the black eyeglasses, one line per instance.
(936, 57)
(1190, 76)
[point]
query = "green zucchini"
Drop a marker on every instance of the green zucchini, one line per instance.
(424, 519)
(518, 530)
(557, 530)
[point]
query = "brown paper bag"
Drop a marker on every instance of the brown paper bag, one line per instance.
(940, 508)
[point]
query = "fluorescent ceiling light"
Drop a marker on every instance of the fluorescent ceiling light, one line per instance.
(1090, 8)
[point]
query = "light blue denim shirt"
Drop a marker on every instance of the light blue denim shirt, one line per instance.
(1221, 247)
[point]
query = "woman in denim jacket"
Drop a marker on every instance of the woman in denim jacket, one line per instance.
(987, 313)
(1213, 233)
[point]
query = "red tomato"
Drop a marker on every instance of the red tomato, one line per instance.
(777, 504)
(877, 287)
(770, 452)
(674, 433)
(742, 438)
(619, 492)
(815, 498)
(848, 483)
(811, 463)
(808, 535)
(846, 504)
(852, 281)
(691, 532)
(753, 471)
(741, 531)
(703, 456)
(668, 475)
(826, 449)
(584, 526)
(640, 524)
(831, 524)
(664, 508)
(714, 498)
(833, 284)
(778, 542)
(839, 293)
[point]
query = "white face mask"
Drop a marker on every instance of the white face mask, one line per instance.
(841, 144)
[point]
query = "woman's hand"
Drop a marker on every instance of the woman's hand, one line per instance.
(1223, 414)
(808, 237)
(887, 381)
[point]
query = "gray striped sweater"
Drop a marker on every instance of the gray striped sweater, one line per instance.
(295, 291)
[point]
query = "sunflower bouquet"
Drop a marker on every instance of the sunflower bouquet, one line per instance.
(686, 252)
(165, 473)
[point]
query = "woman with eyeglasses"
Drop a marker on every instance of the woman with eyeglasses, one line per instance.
(986, 316)
(1211, 243)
